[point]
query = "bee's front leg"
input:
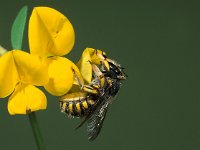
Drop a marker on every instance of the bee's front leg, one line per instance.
(85, 88)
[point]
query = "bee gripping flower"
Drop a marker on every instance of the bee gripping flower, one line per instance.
(19, 71)
(89, 55)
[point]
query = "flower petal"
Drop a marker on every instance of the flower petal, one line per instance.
(61, 76)
(31, 68)
(50, 32)
(89, 56)
(26, 98)
(8, 74)
(85, 66)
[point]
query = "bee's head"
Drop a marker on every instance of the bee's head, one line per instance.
(115, 70)
(111, 68)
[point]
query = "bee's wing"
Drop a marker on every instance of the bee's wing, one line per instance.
(95, 118)
(95, 121)
(89, 115)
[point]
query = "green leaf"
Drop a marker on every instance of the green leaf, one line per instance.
(18, 26)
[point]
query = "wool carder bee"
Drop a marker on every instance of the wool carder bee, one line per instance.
(93, 100)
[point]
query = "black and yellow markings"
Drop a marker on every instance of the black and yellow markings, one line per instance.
(76, 104)
(78, 107)
(89, 89)
(109, 82)
(96, 86)
(102, 82)
(85, 104)
(69, 106)
(90, 102)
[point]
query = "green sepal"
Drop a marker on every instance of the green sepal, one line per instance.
(17, 30)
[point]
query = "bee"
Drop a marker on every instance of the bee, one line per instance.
(92, 102)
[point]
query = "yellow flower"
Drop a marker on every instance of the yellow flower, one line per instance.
(51, 35)
(19, 71)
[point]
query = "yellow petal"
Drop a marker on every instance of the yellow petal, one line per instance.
(50, 32)
(31, 68)
(61, 76)
(84, 65)
(8, 74)
(26, 98)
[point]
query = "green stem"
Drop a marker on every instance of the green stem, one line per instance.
(36, 131)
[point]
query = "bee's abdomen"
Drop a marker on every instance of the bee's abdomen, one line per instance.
(76, 104)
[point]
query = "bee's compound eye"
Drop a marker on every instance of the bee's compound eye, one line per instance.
(114, 68)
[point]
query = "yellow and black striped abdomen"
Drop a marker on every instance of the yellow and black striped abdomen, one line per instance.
(76, 104)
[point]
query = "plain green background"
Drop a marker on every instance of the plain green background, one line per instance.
(158, 106)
